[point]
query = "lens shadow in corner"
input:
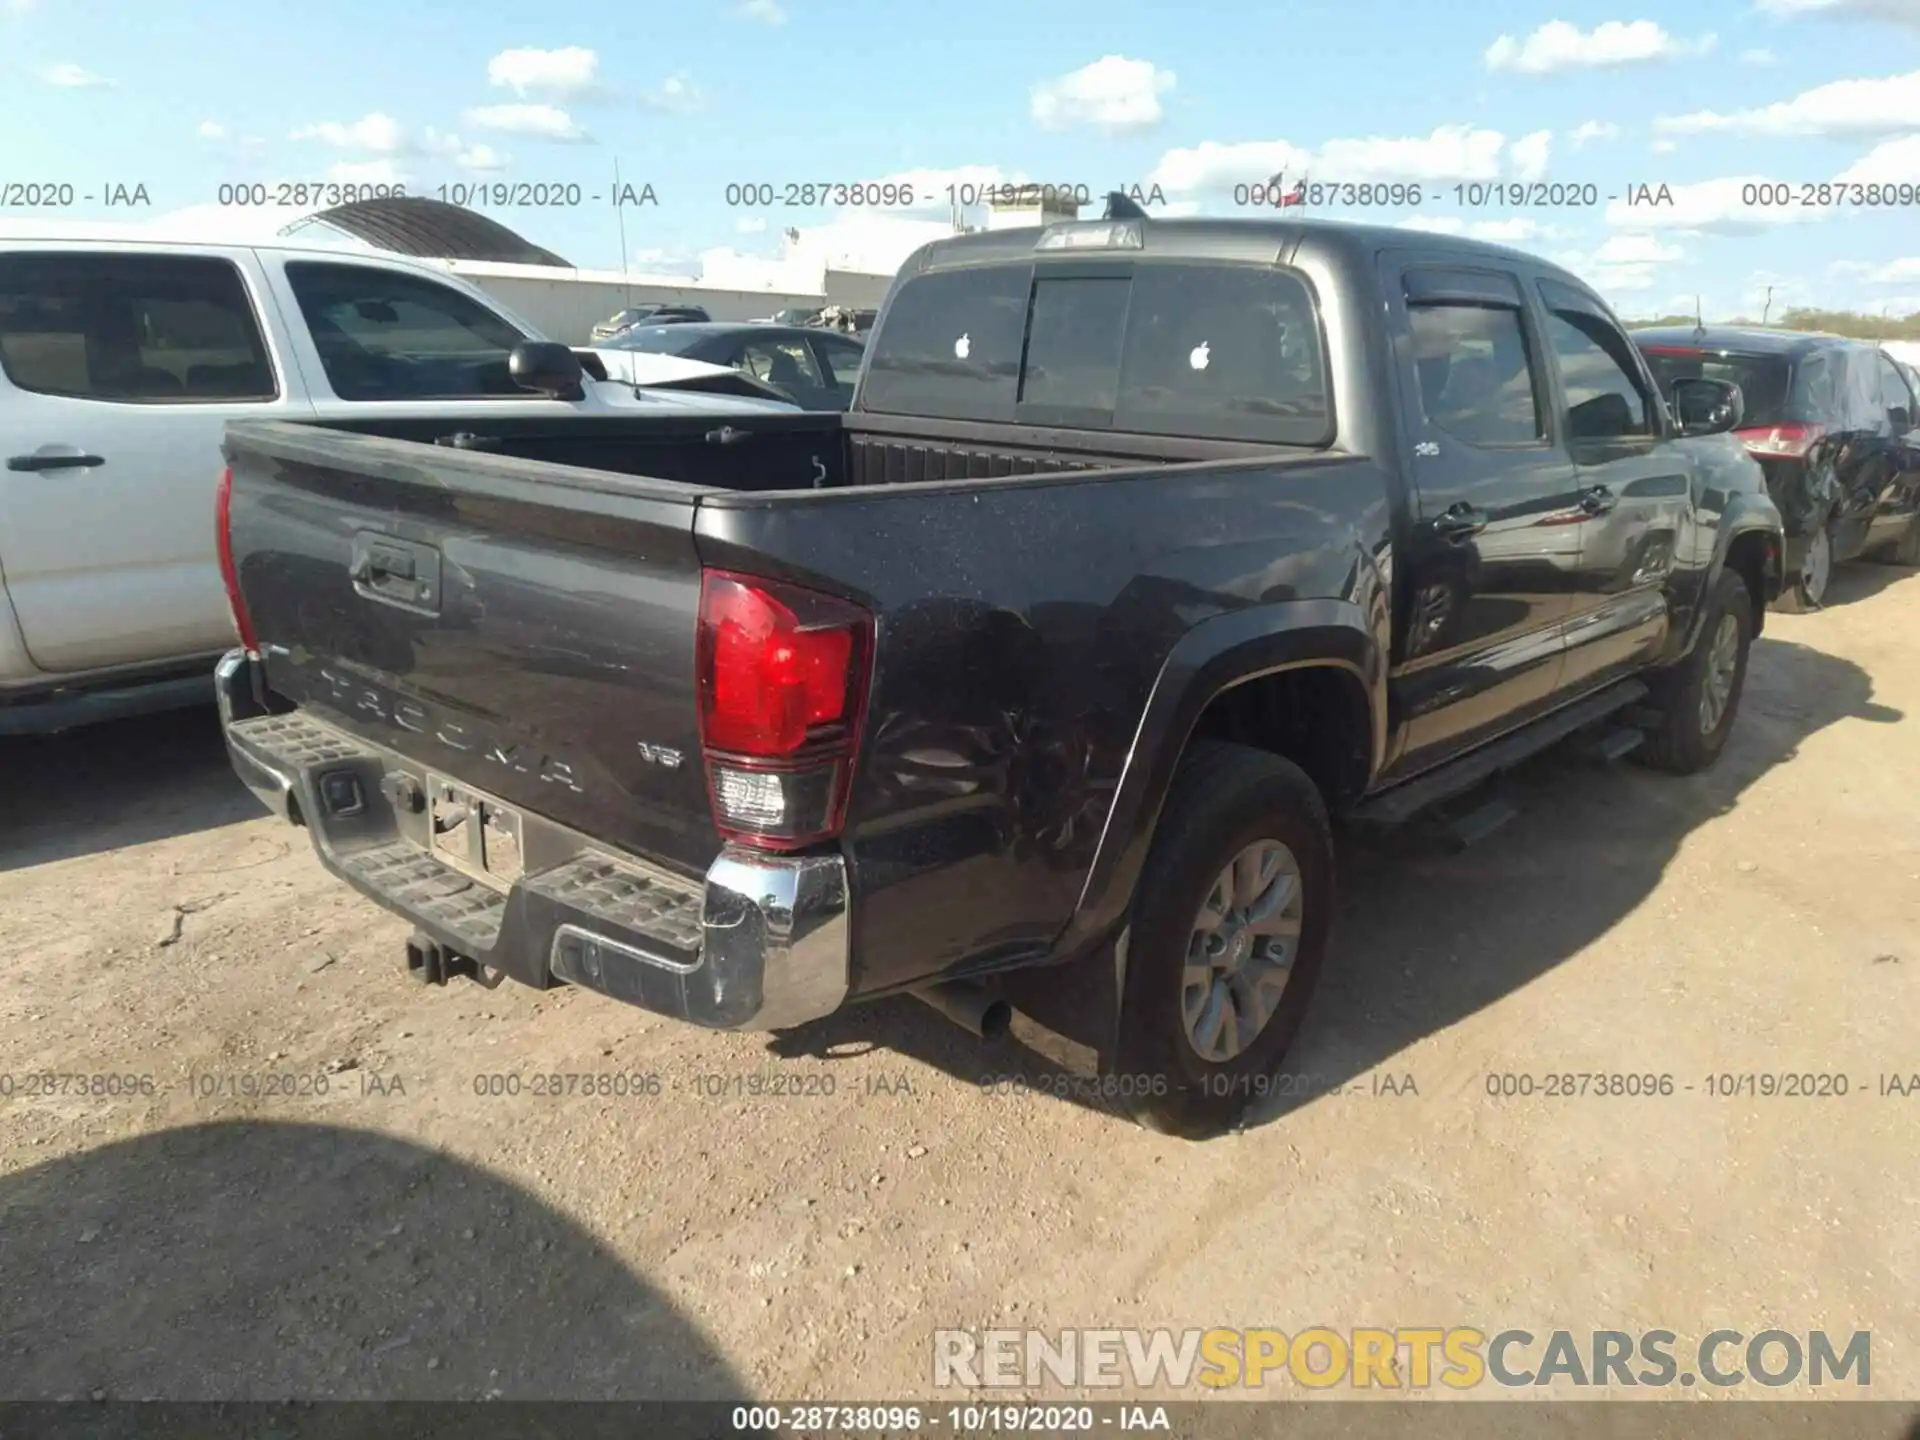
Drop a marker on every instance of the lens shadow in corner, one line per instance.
(263, 1261)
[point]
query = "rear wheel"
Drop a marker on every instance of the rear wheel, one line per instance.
(1808, 590)
(1229, 929)
(1700, 696)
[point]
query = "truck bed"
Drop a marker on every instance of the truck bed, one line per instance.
(804, 451)
(1026, 588)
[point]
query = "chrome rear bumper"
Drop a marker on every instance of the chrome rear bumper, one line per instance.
(761, 944)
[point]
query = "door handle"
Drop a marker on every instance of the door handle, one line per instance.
(55, 457)
(1459, 522)
(1598, 500)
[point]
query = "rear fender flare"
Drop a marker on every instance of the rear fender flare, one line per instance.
(1209, 660)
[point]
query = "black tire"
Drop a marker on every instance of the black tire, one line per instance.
(1225, 798)
(1797, 597)
(1683, 743)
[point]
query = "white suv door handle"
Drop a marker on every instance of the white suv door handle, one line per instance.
(55, 457)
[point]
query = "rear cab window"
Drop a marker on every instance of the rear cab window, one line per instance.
(1775, 390)
(131, 328)
(1208, 350)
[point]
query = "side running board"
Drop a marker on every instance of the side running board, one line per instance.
(1401, 803)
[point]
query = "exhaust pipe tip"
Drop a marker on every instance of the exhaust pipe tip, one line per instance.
(970, 1006)
(996, 1020)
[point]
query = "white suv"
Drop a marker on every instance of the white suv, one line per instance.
(121, 362)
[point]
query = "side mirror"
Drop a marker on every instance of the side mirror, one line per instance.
(1902, 419)
(547, 366)
(1708, 407)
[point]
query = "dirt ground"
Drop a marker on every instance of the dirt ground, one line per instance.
(401, 1235)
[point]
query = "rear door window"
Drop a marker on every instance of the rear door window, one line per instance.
(841, 360)
(142, 329)
(1894, 393)
(1476, 378)
(786, 363)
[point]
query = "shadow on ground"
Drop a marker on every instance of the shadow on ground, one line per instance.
(1429, 936)
(1861, 580)
(126, 782)
(259, 1261)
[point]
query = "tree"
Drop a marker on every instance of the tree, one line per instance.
(1850, 323)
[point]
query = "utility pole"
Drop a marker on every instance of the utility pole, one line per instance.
(1767, 309)
(620, 212)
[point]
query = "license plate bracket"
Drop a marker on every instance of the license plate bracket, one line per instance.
(475, 833)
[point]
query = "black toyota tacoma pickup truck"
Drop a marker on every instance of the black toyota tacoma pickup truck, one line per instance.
(1147, 551)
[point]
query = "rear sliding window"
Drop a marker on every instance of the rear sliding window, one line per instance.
(1219, 351)
(1772, 390)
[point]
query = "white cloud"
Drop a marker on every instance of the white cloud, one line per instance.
(481, 157)
(1899, 272)
(1664, 147)
(767, 12)
(1529, 155)
(1628, 249)
(750, 225)
(1884, 106)
(1903, 12)
(20, 7)
(1759, 57)
(1712, 207)
(1452, 152)
(1891, 162)
(677, 95)
(1622, 264)
(211, 130)
(1594, 130)
(569, 73)
(539, 122)
(69, 76)
(466, 156)
(381, 134)
(1114, 94)
(1515, 230)
(1211, 165)
(1558, 45)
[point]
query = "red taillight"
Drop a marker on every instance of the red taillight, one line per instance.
(1672, 350)
(1789, 441)
(783, 678)
(223, 539)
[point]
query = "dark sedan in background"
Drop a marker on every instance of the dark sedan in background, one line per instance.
(1834, 423)
(815, 367)
(623, 320)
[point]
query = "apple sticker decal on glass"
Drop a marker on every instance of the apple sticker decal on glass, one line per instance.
(962, 347)
(1199, 356)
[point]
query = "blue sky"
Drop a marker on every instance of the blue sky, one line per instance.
(1704, 98)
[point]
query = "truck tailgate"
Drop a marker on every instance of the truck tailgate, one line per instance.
(522, 629)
